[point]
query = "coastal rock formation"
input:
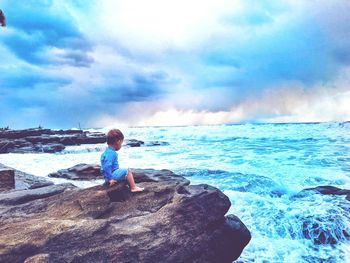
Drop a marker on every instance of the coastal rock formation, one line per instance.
(23, 180)
(79, 172)
(330, 190)
(51, 141)
(171, 221)
(7, 179)
(45, 140)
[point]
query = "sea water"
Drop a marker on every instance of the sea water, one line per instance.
(260, 167)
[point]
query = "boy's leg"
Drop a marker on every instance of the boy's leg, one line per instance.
(131, 181)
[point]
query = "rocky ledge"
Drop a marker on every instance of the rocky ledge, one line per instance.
(11, 179)
(329, 190)
(50, 141)
(171, 221)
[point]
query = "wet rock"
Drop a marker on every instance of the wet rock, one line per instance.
(79, 172)
(45, 140)
(156, 143)
(91, 138)
(25, 180)
(328, 190)
(49, 148)
(133, 143)
(138, 143)
(171, 221)
(51, 141)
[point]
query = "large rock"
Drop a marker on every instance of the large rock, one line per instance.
(171, 221)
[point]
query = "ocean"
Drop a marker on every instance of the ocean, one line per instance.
(260, 167)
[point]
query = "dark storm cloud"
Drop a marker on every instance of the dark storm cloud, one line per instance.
(38, 28)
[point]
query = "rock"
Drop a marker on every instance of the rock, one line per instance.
(50, 141)
(79, 172)
(24, 196)
(156, 143)
(328, 190)
(39, 258)
(6, 145)
(25, 149)
(171, 221)
(133, 143)
(92, 172)
(26, 181)
(92, 138)
(49, 148)
(7, 179)
(137, 143)
(17, 134)
(45, 140)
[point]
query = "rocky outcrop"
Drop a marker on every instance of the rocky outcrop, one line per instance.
(45, 140)
(171, 221)
(329, 190)
(51, 141)
(7, 179)
(79, 172)
(23, 180)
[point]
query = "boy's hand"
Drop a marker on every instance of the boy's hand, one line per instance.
(112, 182)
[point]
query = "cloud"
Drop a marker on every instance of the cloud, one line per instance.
(150, 62)
(35, 32)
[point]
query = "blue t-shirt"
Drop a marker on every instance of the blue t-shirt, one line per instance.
(109, 163)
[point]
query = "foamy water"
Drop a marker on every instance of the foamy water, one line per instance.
(260, 167)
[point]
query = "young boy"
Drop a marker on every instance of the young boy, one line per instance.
(109, 162)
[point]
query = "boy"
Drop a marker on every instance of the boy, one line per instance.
(109, 162)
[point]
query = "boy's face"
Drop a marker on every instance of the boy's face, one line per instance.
(118, 144)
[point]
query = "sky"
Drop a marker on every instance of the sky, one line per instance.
(161, 62)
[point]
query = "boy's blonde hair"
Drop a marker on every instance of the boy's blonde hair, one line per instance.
(114, 135)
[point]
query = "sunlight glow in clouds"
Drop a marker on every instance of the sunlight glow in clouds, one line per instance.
(173, 62)
(163, 23)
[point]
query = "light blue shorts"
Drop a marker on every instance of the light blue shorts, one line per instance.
(120, 174)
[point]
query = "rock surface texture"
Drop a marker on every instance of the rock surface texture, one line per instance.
(171, 221)
(51, 141)
(23, 180)
(79, 172)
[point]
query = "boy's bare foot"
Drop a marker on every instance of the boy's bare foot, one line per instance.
(112, 182)
(137, 189)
